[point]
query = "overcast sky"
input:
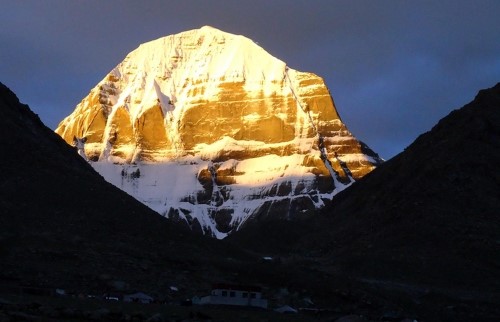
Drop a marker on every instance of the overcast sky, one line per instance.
(394, 68)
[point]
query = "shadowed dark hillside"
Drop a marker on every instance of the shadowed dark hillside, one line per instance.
(432, 213)
(62, 225)
(425, 222)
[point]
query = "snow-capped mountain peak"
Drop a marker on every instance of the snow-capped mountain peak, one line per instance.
(206, 126)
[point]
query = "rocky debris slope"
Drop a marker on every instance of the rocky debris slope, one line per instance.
(207, 127)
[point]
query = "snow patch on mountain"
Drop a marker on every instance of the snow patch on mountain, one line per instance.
(175, 185)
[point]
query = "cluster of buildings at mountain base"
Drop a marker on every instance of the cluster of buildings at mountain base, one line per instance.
(221, 294)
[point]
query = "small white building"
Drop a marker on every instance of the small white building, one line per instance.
(239, 295)
(138, 297)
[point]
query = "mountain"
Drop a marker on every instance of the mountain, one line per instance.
(208, 128)
(62, 225)
(422, 229)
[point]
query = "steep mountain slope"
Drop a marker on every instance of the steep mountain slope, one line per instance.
(62, 225)
(207, 127)
(425, 224)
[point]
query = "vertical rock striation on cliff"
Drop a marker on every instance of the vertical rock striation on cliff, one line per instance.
(206, 126)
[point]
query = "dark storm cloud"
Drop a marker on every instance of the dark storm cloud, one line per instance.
(394, 67)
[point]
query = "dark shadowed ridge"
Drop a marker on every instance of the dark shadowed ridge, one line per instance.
(62, 225)
(426, 222)
(432, 213)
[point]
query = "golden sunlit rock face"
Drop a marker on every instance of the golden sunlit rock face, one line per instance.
(219, 103)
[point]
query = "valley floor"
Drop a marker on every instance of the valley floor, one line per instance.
(38, 308)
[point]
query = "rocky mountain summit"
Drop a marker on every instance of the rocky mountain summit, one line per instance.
(207, 127)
